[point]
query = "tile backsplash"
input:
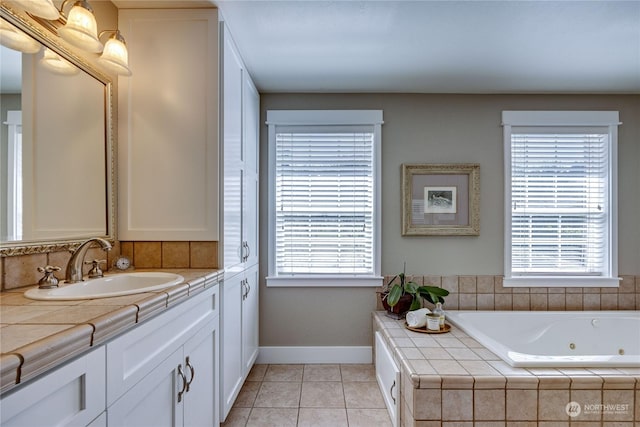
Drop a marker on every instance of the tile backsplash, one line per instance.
(18, 271)
(487, 293)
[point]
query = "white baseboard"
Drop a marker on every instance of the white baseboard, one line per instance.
(276, 355)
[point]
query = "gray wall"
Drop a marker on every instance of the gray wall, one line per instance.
(423, 128)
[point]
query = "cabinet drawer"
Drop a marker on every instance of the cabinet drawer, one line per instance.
(133, 355)
(72, 395)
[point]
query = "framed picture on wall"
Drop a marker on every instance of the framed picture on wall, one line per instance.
(441, 199)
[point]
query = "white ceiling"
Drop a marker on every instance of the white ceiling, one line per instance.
(428, 46)
(439, 46)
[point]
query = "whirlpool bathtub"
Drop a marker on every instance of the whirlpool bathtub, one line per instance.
(556, 338)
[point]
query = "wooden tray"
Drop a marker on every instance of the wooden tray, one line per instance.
(424, 330)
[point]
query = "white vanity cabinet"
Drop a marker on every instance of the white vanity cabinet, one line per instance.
(240, 122)
(240, 118)
(71, 395)
(168, 172)
(239, 334)
(165, 372)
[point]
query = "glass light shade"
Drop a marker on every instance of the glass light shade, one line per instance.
(42, 8)
(56, 64)
(15, 39)
(81, 29)
(115, 56)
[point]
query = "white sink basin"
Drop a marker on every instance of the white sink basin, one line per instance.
(108, 286)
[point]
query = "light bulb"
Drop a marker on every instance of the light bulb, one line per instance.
(56, 64)
(115, 56)
(81, 29)
(42, 8)
(15, 39)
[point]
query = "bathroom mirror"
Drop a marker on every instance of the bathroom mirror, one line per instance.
(56, 157)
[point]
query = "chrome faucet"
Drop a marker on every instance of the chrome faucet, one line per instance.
(73, 272)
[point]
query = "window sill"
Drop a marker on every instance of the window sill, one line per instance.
(559, 281)
(325, 281)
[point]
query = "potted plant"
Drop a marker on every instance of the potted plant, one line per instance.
(403, 295)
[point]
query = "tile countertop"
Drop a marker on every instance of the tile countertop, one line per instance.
(454, 360)
(39, 335)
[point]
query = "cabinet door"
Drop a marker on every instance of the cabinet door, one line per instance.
(231, 343)
(250, 315)
(388, 377)
(168, 126)
(232, 151)
(201, 361)
(72, 395)
(131, 356)
(251, 143)
(153, 401)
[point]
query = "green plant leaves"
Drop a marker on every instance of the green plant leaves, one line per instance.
(433, 294)
(394, 295)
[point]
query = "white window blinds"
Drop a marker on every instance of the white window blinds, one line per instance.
(561, 198)
(324, 199)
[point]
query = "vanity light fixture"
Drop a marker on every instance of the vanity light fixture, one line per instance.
(115, 56)
(42, 8)
(81, 29)
(15, 39)
(56, 64)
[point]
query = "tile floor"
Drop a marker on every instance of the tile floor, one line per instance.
(310, 395)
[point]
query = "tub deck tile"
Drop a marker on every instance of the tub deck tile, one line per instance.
(461, 369)
(457, 382)
(585, 382)
(554, 382)
(618, 382)
(489, 382)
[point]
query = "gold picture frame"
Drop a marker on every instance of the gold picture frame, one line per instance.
(441, 199)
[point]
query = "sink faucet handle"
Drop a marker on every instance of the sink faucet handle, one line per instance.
(95, 269)
(49, 280)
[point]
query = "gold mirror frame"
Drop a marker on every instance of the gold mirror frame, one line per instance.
(47, 38)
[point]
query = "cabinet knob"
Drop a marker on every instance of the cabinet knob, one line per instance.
(391, 392)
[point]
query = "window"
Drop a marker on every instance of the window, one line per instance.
(560, 201)
(14, 177)
(324, 225)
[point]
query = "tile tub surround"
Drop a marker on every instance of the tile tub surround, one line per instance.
(487, 293)
(451, 379)
(39, 335)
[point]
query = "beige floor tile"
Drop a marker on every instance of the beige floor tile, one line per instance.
(284, 373)
(257, 373)
(368, 417)
(237, 417)
(322, 395)
(358, 373)
(322, 417)
(278, 395)
(321, 373)
(273, 417)
(247, 395)
(365, 395)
